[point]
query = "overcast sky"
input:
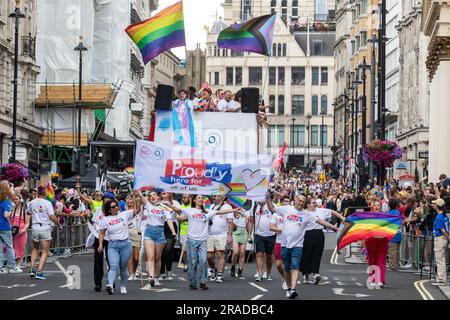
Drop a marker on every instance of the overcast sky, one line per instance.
(197, 14)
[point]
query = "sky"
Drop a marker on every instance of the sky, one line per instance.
(197, 15)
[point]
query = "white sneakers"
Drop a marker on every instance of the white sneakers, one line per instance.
(14, 270)
(284, 286)
(157, 283)
(123, 290)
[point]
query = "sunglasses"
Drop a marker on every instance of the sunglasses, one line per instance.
(113, 207)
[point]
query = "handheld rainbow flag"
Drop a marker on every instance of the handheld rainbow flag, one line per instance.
(364, 225)
(276, 165)
(159, 33)
(50, 196)
(255, 35)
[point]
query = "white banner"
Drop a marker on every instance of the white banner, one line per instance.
(180, 169)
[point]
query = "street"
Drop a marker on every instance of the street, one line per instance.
(340, 281)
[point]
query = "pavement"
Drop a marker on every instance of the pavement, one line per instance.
(340, 281)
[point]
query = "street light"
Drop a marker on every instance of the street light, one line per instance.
(292, 132)
(356, 82)
(345, 99)
(322, 113)
(80, 48)
(16, 15)
(363, 66)
(308, 117)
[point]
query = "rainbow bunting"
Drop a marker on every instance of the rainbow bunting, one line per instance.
(159, 33)
(364, 225)
(255, 35)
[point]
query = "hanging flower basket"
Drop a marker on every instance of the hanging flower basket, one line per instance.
(382, 152)
(14, 172)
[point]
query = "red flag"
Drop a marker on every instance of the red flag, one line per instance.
(276, 164)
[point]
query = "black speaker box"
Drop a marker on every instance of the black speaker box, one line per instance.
(164, 95)
(250, 100)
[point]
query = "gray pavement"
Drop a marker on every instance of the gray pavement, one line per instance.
(340, 281)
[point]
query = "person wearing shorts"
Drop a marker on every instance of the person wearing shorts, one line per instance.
(42, 216)
(186, 203)
(264, 240)
(240, 239)
(154, 238)
(135, 237)
(277, 226)
(219, 235)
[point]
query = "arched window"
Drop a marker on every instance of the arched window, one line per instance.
(274, 50)
(279, 50)
(272, 104)
(281, 105)
(284, 49)
(324, 104)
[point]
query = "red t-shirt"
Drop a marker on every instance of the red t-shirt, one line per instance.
(402, 210)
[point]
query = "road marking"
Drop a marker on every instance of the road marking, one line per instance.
(419, 285)
(66, 285)
(325, 282)
(34, 295)
(340, 292)
(258, 287)
(69, 278)
(18, 286)
(333, 256)
(257, 297)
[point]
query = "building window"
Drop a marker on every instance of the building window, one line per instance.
(315, 76)
(280, 52)
(284, 15)
(363, 38)
(324, 75)
(357, 41)
(274, 50)
(272, 104)
(324, 135)
(281, 76)
(238, 76)
(271, 139)
(364, 7)
(284, 50)
(216, 78)
(321, 10)
(315, 106)
(324, 104)
(281, 105)
(255, 76)
(298, 76)
(294, 12)
(353, 47)
(230, 76)
(273, 3)
(314, 135)
(317, 47)
(281, 138)
(272, 76)
(299, 136)
(298, 105)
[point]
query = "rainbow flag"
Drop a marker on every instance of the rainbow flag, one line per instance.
(255, 35)
(364, 225)
(159, 33)
(236, 202)
(50, 196)
(237, 189)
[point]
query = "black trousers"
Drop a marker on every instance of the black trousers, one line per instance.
(169, 250)
(312, 251)
(98, 262)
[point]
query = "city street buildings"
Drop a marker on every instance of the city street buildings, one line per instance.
(296, 81)
(28, 134)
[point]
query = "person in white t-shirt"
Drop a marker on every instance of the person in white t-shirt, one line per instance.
(227, 104)
(42, 216)
(295, 220)
(314, 242)
(154, 238)
(117, 223)
(264, 239)
(220, 234)
(241, 237)
(197, 235)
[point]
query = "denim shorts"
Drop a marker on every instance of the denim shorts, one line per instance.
(291, 258)
(155, 234)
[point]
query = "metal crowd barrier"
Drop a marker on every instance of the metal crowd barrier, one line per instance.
(71, 237)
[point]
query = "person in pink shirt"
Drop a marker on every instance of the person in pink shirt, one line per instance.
(20, 222)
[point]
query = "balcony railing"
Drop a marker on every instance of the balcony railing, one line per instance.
(29, 46)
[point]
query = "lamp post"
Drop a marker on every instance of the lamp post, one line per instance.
(382, 81)
(334, 159)
(322, 113)
(344, 97)
(80, 48)
(308, 117)
(16, 15)
(356, 83)
(351, 88)
(373, 41)
(292, 133)
(363, 66)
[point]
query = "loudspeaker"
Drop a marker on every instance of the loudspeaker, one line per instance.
(250, 100)
(164, 95)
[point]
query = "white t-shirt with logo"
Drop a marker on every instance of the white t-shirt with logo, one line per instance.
(262, 221)
(156, 216)
(320, 213)
(240, 219)
(198, 223)
(117, 226)
(278, 220)
(219, 227)
(97, 218)
(294, 225)
(40, 210)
